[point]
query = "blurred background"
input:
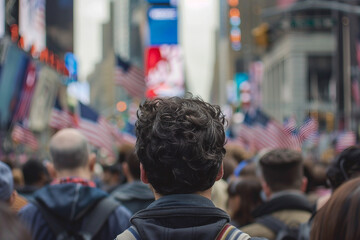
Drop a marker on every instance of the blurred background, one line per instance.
(80, 62)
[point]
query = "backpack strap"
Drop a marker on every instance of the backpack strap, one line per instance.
(231, 232)
(272, 223)
(129, 234)
(53, 222)
(97, 217)
(92, 222)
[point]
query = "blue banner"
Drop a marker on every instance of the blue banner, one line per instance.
(163, 25)
(171, 2)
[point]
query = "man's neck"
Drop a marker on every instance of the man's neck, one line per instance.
(285, 192)
(206, 193)
(79, 172)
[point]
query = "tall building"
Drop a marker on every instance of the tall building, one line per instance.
(310, 65)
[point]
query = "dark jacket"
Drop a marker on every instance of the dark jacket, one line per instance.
(28, 191)
(178, 217)
(290, 208)
(135, 196)
(69, 201)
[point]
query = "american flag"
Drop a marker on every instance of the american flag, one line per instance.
(23, 135)
(345, 140)
(130, 77)
(309, 128)
(290, 124)
(292, 133)
(27, 91)
(259, 131)
(95, 128)
(120, 137)
(263, 132)
(59, 118)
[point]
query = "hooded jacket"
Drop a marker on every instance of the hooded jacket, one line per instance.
(178, 217)
(69, 202)
(135, 196)
(289, 207)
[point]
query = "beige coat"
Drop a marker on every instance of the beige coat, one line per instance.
(287, 216)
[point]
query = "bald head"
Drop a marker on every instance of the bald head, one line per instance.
(69, 149)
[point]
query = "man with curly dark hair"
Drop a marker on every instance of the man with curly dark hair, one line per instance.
(180, 145)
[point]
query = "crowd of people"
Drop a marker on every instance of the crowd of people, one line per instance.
(181, 180)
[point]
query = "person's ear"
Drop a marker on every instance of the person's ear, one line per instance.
(125, 168)
(220, 173)
(92, 161)
(51, 170)
(266, 189)
(304, 183)
(143, 175)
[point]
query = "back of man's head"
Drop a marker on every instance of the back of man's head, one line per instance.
(69, 150)
(180, 142)
(34, 172)
(282, 169)
(346, 166)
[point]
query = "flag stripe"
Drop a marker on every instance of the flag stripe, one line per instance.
(23, 135)
(130, 77)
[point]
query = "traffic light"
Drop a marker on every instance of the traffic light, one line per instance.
(235, 22)
(260, 35)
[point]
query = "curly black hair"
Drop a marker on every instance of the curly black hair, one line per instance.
(180, 142)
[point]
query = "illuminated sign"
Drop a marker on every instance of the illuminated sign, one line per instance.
(164, 71)
(163, 25)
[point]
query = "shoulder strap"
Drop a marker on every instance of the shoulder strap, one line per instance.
(272, 223)
(97, 217)
(129, 234)
(231, 232)
(52, 221)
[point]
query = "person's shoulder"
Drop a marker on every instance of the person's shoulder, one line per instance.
(120, 218)
(28, 209)
(258, 230)
(229, 231)
(129, 234)
(121, 210)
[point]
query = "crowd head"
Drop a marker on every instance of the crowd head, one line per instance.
(346, 166)
(339, 217)
(282, 169)
(6, 183)
(180, 143)
(69, 150)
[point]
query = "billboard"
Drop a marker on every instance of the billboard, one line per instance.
(163, 25)
(164, 69)
(32, 24)
(171, 2)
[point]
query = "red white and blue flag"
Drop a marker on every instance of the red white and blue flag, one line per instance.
(94, 128)
(130, 77)
(258, 131)
(345, 140)
(24, 135)
(309, 128)
(26, 94)
(60, 118)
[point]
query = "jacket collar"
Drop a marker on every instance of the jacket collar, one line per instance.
(182, 200)
(284, 201)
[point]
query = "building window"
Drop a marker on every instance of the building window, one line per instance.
(319, 75)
